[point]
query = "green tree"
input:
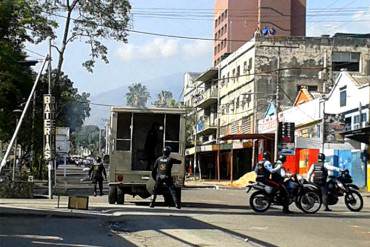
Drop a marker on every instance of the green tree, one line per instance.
(165, 99)
(88, 137)
(91, 21)
(137, 95)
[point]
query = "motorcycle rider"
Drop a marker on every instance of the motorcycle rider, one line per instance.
(319, 173)
(264, 169)
(162, 174)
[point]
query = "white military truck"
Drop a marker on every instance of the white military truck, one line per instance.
(136, 139)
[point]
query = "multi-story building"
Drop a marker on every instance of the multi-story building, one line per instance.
(248, 79)
(236, 22)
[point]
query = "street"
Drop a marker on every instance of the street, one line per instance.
(209, 217)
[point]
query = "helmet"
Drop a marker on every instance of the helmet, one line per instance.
(167, 150)
(321, 157)
(266, 155)
(282, 158)
(98, 159)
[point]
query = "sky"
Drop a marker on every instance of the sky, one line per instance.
(145, 57)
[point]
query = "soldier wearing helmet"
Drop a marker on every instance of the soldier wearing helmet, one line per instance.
(162, 175)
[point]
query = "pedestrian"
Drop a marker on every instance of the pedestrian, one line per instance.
(162, 175)
(318, 174)
(97, 174)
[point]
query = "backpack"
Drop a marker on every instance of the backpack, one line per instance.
(319, 174)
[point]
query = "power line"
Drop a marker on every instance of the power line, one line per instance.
(34, 52)
(180, 36)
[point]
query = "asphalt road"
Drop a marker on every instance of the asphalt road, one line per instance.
(209, 217)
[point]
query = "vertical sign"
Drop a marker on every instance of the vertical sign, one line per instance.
(286, 142)
(49, 133)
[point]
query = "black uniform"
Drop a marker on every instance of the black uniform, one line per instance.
(162, 174)
(96, 174)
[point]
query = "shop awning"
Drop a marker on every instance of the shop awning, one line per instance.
(270, 136)
(360, 135)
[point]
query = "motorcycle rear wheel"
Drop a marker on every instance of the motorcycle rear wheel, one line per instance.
(259, 202)
(351, 201)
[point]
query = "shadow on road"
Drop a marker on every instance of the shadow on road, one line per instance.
(224, 209)
(160, 223)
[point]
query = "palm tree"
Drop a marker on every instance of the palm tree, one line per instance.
(165, 99)
(137, 95)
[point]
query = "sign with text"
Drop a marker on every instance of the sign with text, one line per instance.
(49, 130)
(286, 142)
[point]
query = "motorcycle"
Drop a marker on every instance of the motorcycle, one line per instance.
(343, 186)
(305, 195)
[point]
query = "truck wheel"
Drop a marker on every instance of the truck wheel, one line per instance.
(112, 196)
(120, 196)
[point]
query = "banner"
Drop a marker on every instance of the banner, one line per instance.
(49, 129)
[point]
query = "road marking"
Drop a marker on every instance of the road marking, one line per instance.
(40, 237)
(63, 244)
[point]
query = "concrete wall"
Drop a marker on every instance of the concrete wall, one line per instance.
(301, 60)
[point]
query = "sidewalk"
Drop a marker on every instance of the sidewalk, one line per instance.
(215, 184)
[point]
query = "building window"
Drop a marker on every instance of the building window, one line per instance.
(215, 50)
(343, 96)
(245, 67)
(233, 75)
(237, 103)
(216, 23)
(228, 77)
(346, 60)
(358, 120)
(223, 81)
(238, 71)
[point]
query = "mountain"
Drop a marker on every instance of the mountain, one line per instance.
(100, 102)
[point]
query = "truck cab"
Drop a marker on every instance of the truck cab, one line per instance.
(136, 139)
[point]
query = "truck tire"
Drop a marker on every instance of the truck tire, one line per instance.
(112, 196)
(120, 196)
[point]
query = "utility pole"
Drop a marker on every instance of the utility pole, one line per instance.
(277, 106)
(323, 100)
(277, 98)
(50, 165)
(3, 162)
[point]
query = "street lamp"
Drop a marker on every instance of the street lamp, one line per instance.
(16, 112)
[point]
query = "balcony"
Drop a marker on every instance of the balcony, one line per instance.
(206, 126)
(207, 98)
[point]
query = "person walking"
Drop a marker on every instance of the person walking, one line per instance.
(162, 175)
(97, 174)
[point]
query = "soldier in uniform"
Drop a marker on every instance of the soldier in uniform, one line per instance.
(162, 175)
(96, 173)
